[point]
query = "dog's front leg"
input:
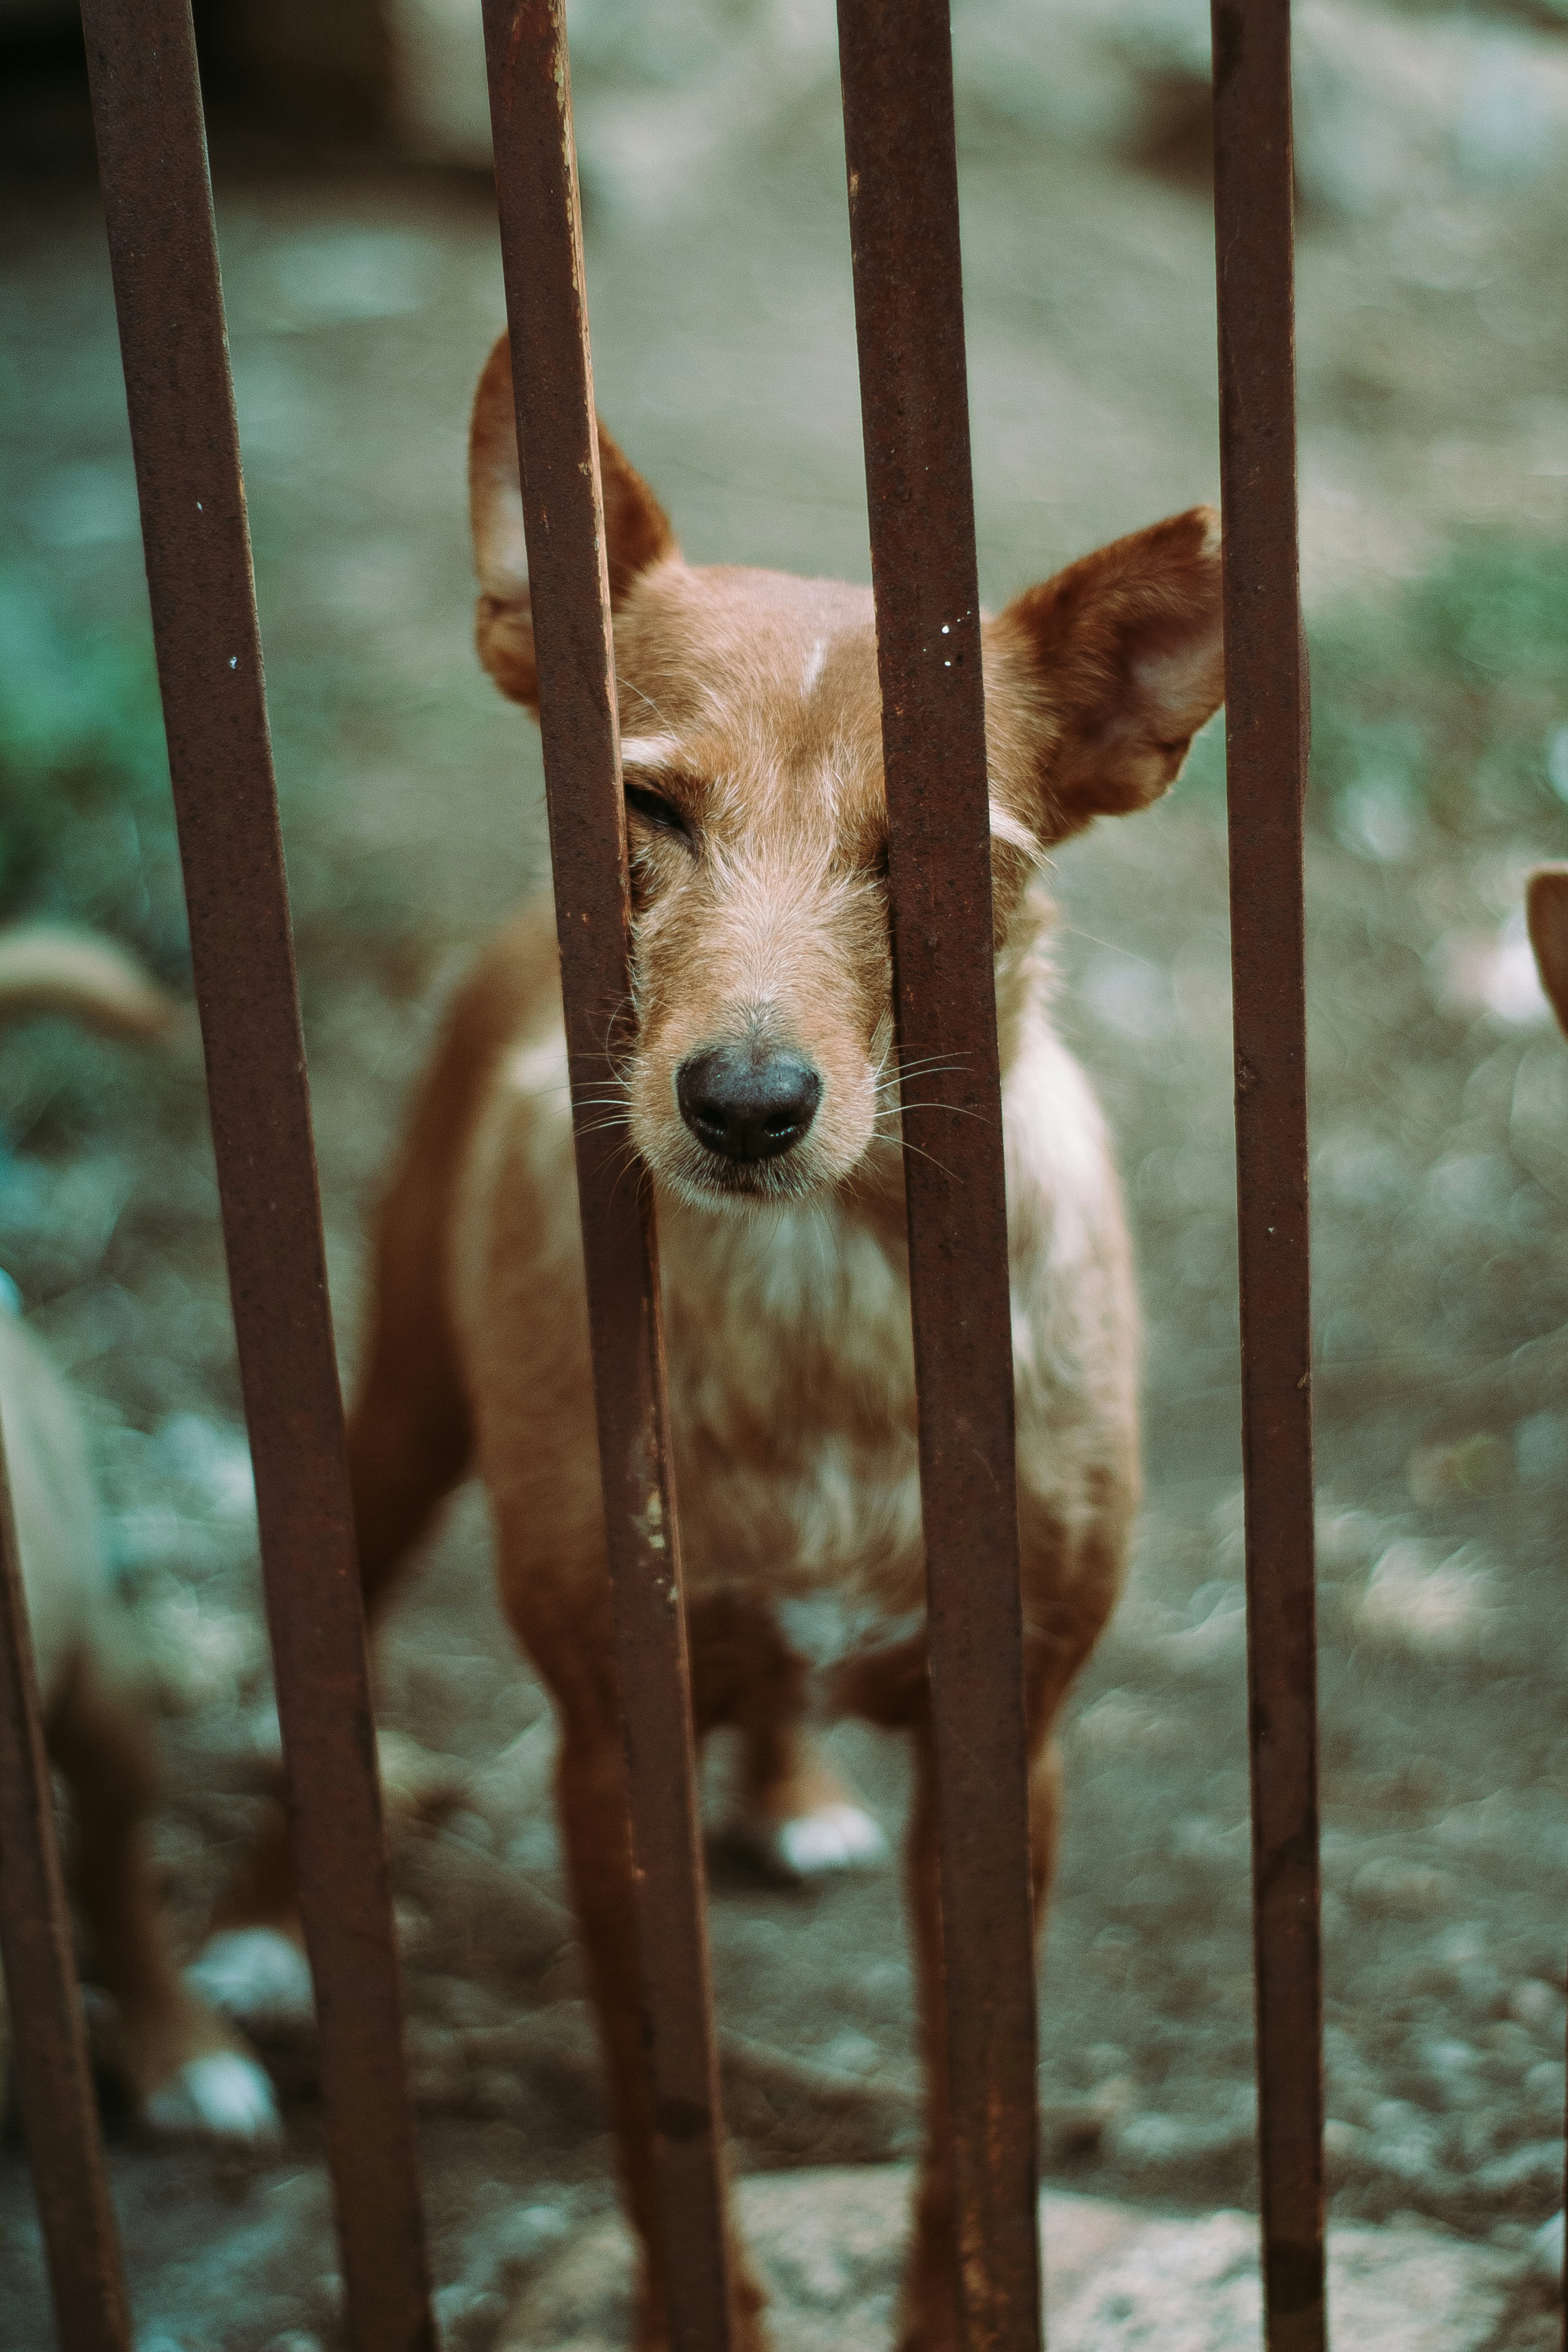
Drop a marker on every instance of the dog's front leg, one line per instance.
(591, 1793)
(931, 2321)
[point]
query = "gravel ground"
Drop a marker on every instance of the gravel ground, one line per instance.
(1433, 352)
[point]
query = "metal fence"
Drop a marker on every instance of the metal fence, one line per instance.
(898, 129)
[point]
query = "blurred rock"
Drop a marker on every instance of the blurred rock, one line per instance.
(1391, 112)
(1408, 1890)
(1539, 2005)
(1178, 2153)
(789, 2110)
(1537, 2165)
(417, 1784)
(780, 2109)
(1347, 1540)
(483, 1918)
(1418, 1601)
(1216, 1634)
(1347, 2151)
(829, 2247)
(1546, 2086)
(1476, 1465)
(1492, 973)
(464, 2314)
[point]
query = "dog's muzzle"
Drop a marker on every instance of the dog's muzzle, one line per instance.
(746, 1106)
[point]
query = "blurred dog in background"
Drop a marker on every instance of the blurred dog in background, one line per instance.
(187, 2069)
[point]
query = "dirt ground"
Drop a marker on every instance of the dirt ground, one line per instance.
(1433, 356)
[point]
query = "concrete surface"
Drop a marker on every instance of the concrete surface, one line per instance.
(829, 2245)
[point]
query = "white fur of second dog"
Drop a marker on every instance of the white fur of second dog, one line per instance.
(833, 1837)
(89, 1688)
(71, 1606)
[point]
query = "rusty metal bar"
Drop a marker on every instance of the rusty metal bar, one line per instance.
(1267, 734)
(896, 67)
(158, 201)
(49, 2043)
(541, 248)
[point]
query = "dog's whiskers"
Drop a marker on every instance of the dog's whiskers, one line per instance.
(959, 1110)
(926, 1067)
(1115, 945)
(629, 1160)
(935, 1162)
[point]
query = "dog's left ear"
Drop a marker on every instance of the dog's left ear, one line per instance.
(637, 530)
(1122, 659)
(1546, 909)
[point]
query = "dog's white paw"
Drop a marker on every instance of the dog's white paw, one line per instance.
(221, 2096)
(256, 1976)
(833, 1837)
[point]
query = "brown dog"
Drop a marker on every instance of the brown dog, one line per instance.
(760, 1093)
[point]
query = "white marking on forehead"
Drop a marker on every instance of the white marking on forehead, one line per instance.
(815, 665)
(649, 750)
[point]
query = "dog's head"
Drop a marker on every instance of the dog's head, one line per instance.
(760, 1068)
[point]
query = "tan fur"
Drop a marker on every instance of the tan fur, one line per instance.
(53, 968)
(749, 707)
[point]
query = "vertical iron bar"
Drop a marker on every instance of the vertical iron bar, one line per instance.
(1267, 735)
(158, 201)
(541, 248)
(48, 2044)
(896, 67)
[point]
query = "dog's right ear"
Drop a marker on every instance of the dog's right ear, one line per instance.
(1546, 910)
(637, 531)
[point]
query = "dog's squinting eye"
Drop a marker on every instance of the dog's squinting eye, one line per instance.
(656, 810)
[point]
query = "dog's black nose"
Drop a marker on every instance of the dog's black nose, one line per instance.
(745, 1106)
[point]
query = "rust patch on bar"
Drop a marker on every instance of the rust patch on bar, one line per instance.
(1267, 733)
(897, 66)
(541, 248)
(48, 2042)
(158, 203)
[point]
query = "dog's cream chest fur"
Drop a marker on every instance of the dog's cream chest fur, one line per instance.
(790, 1362)
(793, 1405)
(790, 1359)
